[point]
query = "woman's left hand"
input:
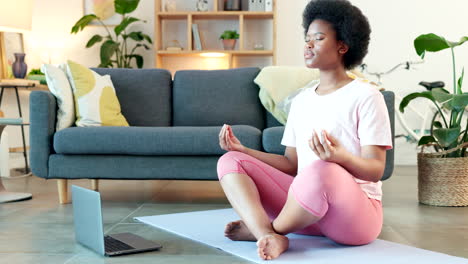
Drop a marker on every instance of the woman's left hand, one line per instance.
(327, 149)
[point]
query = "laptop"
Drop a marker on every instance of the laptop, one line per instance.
(89, 232)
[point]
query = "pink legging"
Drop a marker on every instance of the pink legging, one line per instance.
(324, 189)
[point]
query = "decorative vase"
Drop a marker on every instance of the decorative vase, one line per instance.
(229, 44)
(19, 67)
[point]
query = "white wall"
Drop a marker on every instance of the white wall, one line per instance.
(394, 24)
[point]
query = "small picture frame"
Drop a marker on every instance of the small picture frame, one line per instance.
(89, 7)
(10, 43)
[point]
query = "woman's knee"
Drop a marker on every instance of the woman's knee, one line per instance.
(316, 182)
(230, 163)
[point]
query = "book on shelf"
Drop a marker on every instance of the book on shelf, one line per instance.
(260, 5)
(268, 5)
(248, 5)
(196, 37)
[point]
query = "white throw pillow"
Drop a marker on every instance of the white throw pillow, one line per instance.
(59, 86)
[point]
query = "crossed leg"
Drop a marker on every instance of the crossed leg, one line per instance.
(315, 202)
(257, 208)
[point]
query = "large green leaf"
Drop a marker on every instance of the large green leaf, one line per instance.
(95, 39)
(123, 25)
(459, 102)
(426, 140)
(139, 36)
(136, 35)
(405, 101)
(138, 59)
(125, 6)
(108, 49)
(82, 23)
(461, 41)
(429, 42)
(432, 43)
(446, 136)
(148, 38)
(142, 45)
(437, 124)
(441, 95)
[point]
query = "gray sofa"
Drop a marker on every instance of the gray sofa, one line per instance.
(173, 133)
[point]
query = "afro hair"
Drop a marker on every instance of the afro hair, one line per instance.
(350, 25)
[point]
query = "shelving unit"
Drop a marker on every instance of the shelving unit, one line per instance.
(253, 27)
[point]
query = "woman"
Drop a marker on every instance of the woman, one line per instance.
(328, 181)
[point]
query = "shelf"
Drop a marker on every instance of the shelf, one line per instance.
(215, 15)
(232, 52)
(254, 28)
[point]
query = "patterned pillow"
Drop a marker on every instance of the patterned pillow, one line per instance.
(60, 87)
(95, 100)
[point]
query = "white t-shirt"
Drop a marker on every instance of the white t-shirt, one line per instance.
(355, 114)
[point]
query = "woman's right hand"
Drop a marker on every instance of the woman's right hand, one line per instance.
(228, 141)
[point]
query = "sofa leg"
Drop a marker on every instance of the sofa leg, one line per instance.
(62, 185)
(95, 185)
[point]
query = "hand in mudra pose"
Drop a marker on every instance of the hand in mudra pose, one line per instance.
(326, 147)
(228, 141)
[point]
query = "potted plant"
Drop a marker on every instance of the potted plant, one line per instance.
(229, 38)
(115, 50)
(442, 176)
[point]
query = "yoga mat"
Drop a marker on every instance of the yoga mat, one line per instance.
(208, 227)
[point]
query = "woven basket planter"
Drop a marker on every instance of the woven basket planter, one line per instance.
(442, 181)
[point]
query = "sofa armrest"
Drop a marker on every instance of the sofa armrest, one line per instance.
(43, 112)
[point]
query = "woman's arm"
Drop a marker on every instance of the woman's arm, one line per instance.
(286, 163)
(367, 167)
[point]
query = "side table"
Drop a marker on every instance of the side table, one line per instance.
(6, 196)
(16, 84)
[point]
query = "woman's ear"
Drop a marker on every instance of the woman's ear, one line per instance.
(342, 48)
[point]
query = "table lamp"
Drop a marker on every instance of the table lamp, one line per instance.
(15, 16)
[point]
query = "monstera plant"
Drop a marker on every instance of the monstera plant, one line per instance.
(115, 48)
(449, 125)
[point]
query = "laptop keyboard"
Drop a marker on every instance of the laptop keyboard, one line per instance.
(113, 245)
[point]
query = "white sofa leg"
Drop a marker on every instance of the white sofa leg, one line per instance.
(62, 185)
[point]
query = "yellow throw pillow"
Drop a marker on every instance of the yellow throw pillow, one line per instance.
(277, 83)
(95, 100)
(280, 84)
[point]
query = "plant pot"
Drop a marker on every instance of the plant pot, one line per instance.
(229, 44)
(442, 181)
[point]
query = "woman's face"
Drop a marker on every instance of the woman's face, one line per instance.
(322, 50)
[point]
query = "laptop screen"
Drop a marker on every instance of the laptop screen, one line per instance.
(87, 218)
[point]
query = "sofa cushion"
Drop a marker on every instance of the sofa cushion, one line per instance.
(149, 140)
(214, 98)
(144, 95)
(96, 103)
(271, 140)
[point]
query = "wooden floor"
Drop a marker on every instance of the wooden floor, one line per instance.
(41, 230)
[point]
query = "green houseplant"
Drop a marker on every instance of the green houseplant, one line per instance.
(448, 130)
(442, 177)
(115, 50)
(229, 38)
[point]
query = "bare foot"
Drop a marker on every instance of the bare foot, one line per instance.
(272, 245)
(238, 231)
